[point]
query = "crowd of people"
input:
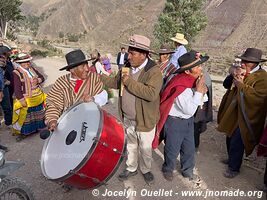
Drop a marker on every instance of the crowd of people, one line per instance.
(168, 100)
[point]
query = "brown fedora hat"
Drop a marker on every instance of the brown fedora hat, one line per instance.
(252, 55)
(165, 49)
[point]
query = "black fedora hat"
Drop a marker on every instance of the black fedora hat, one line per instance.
(252, 55)
(4, 49)
(74, 58)
(190, 59)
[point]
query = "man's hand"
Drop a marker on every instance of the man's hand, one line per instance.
(35, 81)
(23, 103)
(88, 98)
(52, 125)
(201, 85)
(124, 78)
(1, 96)
(238, 80)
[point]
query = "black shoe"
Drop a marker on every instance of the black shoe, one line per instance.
(149, 178)
(262, 187)
(67, 188)
(20, 137)
(230, 173)
(193, 178)
(2, 147)
(168, 176)
(126, 174)
(225, 161)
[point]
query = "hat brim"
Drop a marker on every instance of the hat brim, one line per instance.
(23, 60)
(137, 47)
(251, 59)
(4, 49)
(68, 67)
(183, 42)
(202, 60)
(166, 52)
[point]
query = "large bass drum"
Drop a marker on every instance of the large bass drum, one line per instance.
(86, 149)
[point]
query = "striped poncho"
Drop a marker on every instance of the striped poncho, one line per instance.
(62, 95)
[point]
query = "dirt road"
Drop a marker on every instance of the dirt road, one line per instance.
(212, 150)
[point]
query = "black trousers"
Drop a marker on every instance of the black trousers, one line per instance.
(235, 149)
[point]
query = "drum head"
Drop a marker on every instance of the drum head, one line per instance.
(72, 141)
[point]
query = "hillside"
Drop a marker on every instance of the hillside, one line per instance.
(105, 22)
(233, 24)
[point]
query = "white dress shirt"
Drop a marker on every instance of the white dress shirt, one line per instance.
(137, 69)
(255, 69)
(122, 59)
(185, 105)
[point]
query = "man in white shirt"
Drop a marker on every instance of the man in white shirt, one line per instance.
(179, 102)
(122, 58)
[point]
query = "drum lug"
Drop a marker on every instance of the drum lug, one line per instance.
(116, 151)
(84, 176)
(104, 144)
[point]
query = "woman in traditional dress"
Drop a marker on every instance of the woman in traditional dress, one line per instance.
(29, 102)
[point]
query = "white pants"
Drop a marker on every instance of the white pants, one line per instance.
(139, 144)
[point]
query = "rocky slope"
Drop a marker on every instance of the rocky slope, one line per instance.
(233, 24)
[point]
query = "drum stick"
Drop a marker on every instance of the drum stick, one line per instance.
(124, 71)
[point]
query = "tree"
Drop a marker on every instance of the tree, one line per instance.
(184, 16)
(9, 11)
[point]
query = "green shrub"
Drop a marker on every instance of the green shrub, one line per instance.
(61, 34)
(37, 52)
(73, 37)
